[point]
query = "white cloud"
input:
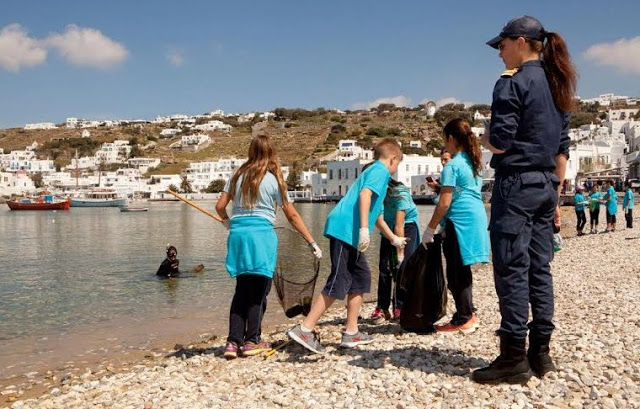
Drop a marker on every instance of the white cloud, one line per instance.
(18, 50)
(623, 55)
(399, 101)
(175, 58)
(448, 100)
(88, 47)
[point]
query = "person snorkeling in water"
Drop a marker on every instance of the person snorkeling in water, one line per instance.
(170, 265)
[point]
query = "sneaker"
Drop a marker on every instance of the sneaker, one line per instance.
(352, 341)
(251, 348)
(466, 328)
(231, 350)
(379, 316)
(309, 340)
(396, 314)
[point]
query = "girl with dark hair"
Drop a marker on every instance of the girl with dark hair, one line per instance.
(466, 241)
(528, 136)
(401, 216)
(257, 189)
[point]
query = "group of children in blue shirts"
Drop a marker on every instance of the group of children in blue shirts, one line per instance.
(609, 200)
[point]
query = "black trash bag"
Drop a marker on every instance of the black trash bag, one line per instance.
(425, 289)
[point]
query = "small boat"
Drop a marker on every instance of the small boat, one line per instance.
(133, 209)
(47, 202)
(99, 198)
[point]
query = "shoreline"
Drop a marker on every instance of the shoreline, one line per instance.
(422, 370)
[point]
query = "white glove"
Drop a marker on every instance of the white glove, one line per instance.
(364, 239)
(398, 242)
(427, 236)
(315, 250)
(400, 254)
(225, 223)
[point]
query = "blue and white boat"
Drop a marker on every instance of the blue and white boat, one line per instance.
(99, 198)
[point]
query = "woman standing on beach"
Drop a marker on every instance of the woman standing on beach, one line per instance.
(594, 207)
(256, 189)
(460, 204)
(611, 203)
(529, 138)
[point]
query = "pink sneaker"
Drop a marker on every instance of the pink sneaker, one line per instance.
(231, 351)
(396, 314)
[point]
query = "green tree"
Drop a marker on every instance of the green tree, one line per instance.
(216, 186)
(185, 185)
(37, 179)
(582, 118)
(293, 180)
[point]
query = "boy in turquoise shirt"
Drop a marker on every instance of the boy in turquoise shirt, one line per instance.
(348, 229)
(627, 205)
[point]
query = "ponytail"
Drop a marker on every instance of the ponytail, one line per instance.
(561, 73)
(460, 130)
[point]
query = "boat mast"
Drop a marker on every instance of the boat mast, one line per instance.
(76, 169)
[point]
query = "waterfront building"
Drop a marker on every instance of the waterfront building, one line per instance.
(15, 183)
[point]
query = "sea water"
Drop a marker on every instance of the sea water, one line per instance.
(79, 285)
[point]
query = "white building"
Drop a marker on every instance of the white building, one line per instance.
(201, 174)
(349, 150)
(340, 176)
(622, 114)
(115, 152)
(40, 125)
(192, 143)
(169, 132)
(214, 125)
(15, 183)
(415, 144)
(143, 164)
(26, 160)
(413, 165)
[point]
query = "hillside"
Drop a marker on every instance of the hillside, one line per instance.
(302, 138)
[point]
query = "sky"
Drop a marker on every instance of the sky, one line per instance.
(139, 59)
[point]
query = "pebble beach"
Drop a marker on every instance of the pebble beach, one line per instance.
(596, 347)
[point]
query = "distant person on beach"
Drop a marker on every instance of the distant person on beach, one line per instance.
(348, 228)
(434, 184)
(257, 189)
(627, 205)
(169, 268)
(595, 198)
(611, 204)
(466, 241)
(529, 139)
(578, 202)
(401, 215)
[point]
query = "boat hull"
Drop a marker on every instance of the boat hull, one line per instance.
(13, 205)
(77, 202)
(133, 209)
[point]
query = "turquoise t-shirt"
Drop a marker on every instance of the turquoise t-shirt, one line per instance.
(400, 200)
(594, 201)
(266, 204)
(467, 211)
(579, 200)
(612, 200)
(343, 222)
(627, 202)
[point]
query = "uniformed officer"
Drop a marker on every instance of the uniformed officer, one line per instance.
(529, 138)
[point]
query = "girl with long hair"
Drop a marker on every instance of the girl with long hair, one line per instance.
(257, 189)
(460, 205)
(528, 136)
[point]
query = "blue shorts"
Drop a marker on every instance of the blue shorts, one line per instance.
(350, 272)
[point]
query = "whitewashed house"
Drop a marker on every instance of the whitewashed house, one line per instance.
(143, 164)
(213, 125)
(40, 125)
(15, 183)
(169, 132)
(201, 174)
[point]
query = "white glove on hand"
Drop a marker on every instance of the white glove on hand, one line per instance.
(225, 223)
(398, 242)
(315, 250)
(364, 239)
(400, 256)
(427, 236)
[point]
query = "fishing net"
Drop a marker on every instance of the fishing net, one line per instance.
(296, 273)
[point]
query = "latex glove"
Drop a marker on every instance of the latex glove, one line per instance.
(363, 239)
(400, 256)
(398, 242)
(315, 249)
(427, 236)
(225, 223)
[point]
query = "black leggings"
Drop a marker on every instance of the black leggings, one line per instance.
(247, 308)
(594, 216)
(582, 219)
(459, 280)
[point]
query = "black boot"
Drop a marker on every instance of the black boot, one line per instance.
(510, 367)
(538, 354)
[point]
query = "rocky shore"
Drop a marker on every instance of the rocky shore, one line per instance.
(596, 346)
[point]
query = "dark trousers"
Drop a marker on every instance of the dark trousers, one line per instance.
(628, 216)
(247, 308)
(594, 216)
(521, 231)
(582, 220)
(389, 269)
(459, 279)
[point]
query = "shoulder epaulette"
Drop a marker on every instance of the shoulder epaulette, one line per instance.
(509, 73)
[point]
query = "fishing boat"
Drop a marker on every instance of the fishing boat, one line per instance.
(99, 198)
(133, 209)
(46, 202)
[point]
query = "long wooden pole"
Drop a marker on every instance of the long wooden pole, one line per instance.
(190, 203)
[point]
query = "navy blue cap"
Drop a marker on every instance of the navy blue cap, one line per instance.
(523, 26)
